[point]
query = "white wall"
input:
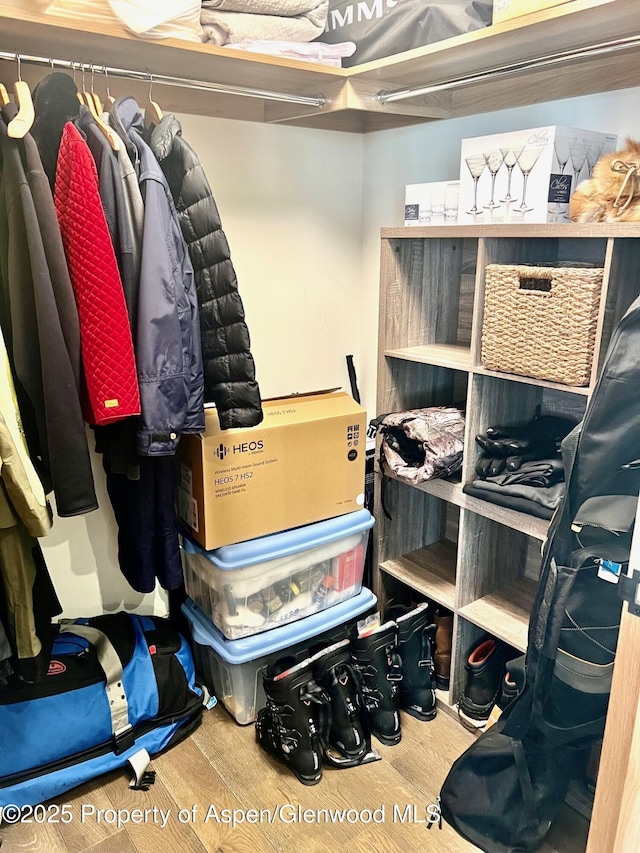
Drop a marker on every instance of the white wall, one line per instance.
(302, 211)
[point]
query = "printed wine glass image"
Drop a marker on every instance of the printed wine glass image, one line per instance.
(594, 150)
(510, 158)
(527, 159)
(562, 148)
(476, 166)
(494, 160)
(578, 159)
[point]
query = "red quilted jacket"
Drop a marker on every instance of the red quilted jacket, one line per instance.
(105, 334)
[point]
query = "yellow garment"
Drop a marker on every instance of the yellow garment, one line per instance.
(22, 495)
(17, 576)
(24, 513)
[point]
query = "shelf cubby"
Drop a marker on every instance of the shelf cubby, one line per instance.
(431, 571)
(505, 612)
(477, 558)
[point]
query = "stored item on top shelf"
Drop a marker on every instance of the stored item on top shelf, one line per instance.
(541, 321)
(385, 29)
(159, 20)
(526, 175)
(259, 585)
(232, 670)
(612, 194)
(304, 463)
(431, 204)
(505, 10)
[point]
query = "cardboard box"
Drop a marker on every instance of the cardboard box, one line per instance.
(526, 175)
(505, 10)
(302, 464)
(431, 204)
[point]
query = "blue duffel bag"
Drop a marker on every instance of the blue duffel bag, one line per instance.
(120, 688)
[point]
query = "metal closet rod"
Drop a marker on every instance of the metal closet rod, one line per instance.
(165, 79)
(387, 97)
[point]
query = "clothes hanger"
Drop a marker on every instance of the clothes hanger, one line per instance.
(96, 100)
(4, 96)
(19, 126)
(152, 112)
(109, 100)
(78, 95)
(87, 100)
(105, 130)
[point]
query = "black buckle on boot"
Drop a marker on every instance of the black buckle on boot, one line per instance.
(395, 667)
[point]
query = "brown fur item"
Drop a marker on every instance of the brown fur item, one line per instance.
(612, 194)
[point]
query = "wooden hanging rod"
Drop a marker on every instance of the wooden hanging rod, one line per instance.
(164, 79)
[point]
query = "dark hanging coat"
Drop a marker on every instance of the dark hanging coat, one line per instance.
(40, 326)
(229, 369)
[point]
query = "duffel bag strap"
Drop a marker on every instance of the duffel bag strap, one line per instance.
(526, 786)
(112, 667)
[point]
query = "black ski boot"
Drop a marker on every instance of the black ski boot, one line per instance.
(416, 638)
(345, 729)
(288, 727)
(376, 658)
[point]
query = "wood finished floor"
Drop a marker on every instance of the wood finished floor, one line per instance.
(221, 764)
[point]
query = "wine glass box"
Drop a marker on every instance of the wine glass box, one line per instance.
(526, 175)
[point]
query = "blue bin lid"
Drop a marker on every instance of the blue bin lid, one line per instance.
(205, 633)
(285, 543)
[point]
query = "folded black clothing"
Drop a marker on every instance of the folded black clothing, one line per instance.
(540, 473)
(533, 500)
(537, 439)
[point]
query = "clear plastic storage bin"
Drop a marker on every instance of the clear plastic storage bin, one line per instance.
(233, 670)
(268, 582)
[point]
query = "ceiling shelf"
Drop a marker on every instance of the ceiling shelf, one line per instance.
(463, 68)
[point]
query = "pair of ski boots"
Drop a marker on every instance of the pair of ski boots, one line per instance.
(395, 663)
(324, 709)
(314, 714)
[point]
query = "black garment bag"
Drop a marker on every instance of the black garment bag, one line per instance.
(504, 792)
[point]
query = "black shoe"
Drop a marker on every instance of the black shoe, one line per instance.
(345, 729)
(415, 643)
(375, 657)
(511, 687)
(288, 727)
(485, 670)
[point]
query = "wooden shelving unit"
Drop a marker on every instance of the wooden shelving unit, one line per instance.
(476, 558)
(351, 103)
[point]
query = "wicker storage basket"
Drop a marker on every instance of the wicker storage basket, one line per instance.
(541, 321)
